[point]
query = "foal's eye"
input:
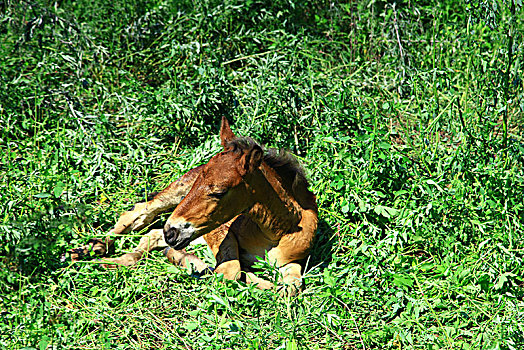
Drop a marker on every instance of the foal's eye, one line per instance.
(218, 194)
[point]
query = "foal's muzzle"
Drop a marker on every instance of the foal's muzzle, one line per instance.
(179, 235)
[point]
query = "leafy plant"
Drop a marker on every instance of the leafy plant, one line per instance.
(406, 116)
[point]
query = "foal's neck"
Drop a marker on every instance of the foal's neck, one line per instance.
(275, 210)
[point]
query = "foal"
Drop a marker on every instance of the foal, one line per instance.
(247, 205)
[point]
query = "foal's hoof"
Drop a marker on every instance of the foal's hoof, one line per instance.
(93, 246)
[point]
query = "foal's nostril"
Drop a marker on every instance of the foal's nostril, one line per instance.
(170, 234)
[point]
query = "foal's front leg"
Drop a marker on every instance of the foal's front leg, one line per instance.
(150, 241)
(154, 240)
(224, 246)
(141, 215)
(289, 283)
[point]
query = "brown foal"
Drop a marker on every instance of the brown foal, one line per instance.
(246, 203)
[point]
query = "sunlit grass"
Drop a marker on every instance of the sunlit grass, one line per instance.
(394, 111)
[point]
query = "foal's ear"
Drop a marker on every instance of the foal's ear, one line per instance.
(226, 135)
(251, 159)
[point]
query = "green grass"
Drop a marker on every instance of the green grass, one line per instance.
(407, 117)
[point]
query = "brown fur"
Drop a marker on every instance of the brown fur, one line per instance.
(246, 203)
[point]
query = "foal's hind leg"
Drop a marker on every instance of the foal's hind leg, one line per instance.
(141, 215)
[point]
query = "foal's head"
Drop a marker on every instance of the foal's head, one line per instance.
(219, 193)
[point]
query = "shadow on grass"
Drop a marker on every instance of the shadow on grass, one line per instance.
(321, 253)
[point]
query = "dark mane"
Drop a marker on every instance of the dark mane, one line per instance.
(284, 163)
